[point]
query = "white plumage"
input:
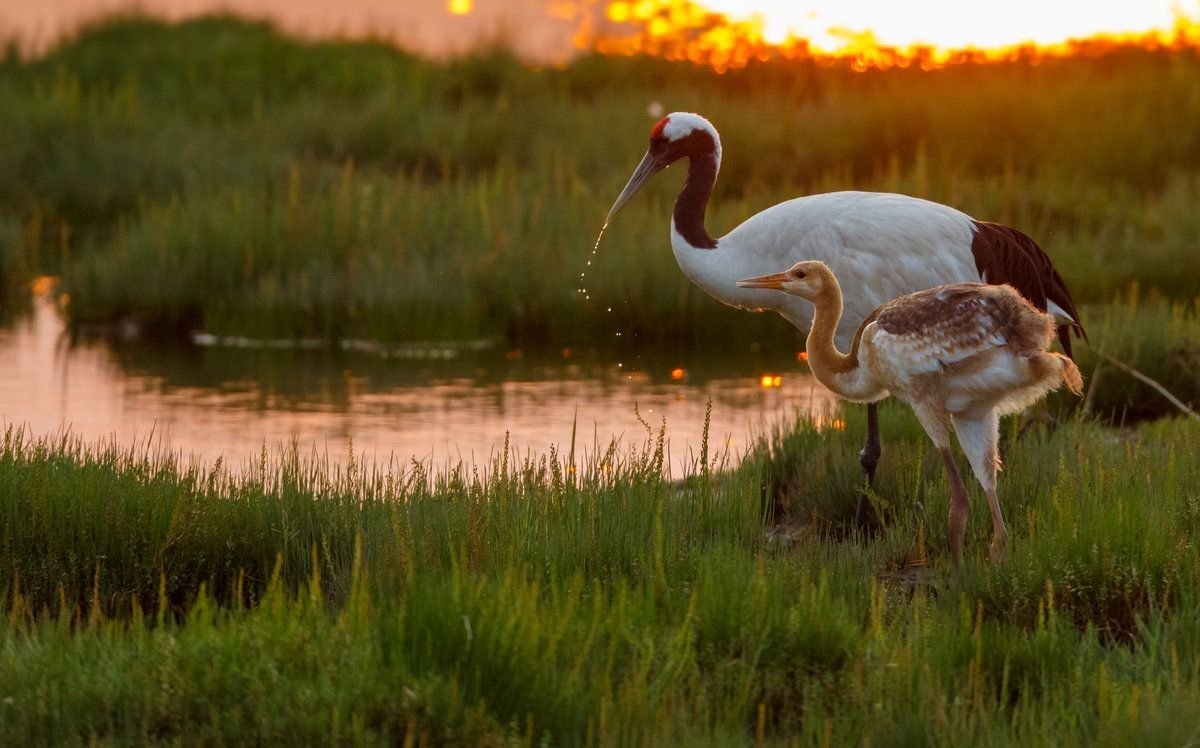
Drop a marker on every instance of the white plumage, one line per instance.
(927, 244)
(961, 355)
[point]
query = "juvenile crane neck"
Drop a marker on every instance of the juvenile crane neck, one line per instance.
(692, 202)
(830, 366)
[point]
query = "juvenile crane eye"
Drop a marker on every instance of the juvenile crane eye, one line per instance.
(799, 274)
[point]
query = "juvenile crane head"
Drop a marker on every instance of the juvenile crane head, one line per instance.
(807, 279)
(678, 135)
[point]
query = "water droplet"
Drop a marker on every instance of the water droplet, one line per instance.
(595, 247)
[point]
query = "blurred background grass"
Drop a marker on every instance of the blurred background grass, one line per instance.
(217, 175)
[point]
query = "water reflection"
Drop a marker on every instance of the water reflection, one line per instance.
(229, 402)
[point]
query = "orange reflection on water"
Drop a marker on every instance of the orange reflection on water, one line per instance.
(42, 285)
(225, 402)
(829, 422)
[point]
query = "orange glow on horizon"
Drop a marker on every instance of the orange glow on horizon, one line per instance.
(725, 34)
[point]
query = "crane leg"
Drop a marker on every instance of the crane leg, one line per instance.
(868, 458)
(978, 435)
(957, 520)
(937, 424)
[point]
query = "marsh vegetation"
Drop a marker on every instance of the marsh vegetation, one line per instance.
(591, 600)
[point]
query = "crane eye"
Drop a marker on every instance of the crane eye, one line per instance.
(799, 274)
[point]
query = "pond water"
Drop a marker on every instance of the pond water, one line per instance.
(438, 405)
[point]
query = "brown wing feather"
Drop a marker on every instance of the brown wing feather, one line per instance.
(1005, 255)
(917, 313)
(966, 315)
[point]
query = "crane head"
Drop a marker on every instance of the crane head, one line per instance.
(678, 135)
(807, 279)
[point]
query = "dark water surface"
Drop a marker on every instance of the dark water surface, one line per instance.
(437, 404)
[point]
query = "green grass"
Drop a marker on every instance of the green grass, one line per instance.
(524, 600)
(1155, 337)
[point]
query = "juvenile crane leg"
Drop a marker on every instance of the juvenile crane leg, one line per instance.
(868, 458)
(958, 507)
(999, 545)
(979, 436)
(937, 424)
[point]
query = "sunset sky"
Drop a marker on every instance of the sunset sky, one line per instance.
(954, 23)
(547, 29)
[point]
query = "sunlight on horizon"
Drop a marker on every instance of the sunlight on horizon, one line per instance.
(460, 7)
(951, 25)
(870, 33)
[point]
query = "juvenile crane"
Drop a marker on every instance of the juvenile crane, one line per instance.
(961, 354)
(880, 245)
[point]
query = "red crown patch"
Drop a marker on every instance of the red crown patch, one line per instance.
(657, 130)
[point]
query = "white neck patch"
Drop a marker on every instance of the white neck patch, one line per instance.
(681, 124)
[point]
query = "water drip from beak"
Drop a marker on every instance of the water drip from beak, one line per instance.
(583, 274)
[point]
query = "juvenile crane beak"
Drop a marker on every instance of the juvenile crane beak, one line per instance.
(774, 281)
(650, 165)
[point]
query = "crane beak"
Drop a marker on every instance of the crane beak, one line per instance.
(774, 281)
(650, 165)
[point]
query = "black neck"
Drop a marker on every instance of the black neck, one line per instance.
(693, 200)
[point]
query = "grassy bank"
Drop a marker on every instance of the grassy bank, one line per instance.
(216, 175)
(527, 601)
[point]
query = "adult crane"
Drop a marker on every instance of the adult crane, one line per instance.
(961, 354)
(879, 245)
